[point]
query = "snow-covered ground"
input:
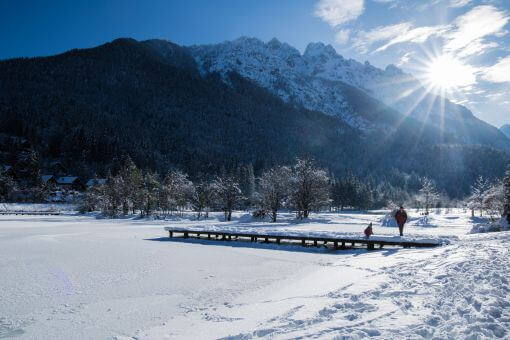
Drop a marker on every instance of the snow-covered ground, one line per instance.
(79, 277)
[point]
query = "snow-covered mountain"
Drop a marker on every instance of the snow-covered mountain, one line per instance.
(310, 78)
(280, 68)
(320, 79)
(506, 130)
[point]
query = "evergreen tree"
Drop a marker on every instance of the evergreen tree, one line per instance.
(149, 193)
(27, 168)
(131, 182)
(112, 196)
(92, 199)
(7, 187)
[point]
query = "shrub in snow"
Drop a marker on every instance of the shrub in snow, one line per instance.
(491, 226)
(389, 219)
(424, 221)
(493, 202)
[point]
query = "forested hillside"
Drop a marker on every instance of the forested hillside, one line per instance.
(90, 108)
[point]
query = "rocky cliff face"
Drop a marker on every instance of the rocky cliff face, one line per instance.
(317, 80)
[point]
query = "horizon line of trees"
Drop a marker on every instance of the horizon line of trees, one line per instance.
(303, 187)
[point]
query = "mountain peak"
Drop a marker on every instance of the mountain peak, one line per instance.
(319, 48)
(393, 70)
(274, 43)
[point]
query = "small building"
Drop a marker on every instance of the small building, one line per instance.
(48, 180)
(95, 181)
(70, 183)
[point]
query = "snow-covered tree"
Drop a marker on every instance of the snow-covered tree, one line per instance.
(228, 194)
(506, 183)
(494, 200)
(175, 192)
(131, 183)
(7, 187)
(202, 198)
(428, 193)
(478, 193)
(177, 189)
(27, 168)
(310, 187)
(112, 196)
(92, 199)
(149, 193)
(246, 179)
(275, 186)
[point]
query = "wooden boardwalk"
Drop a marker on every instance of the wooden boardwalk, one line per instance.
(19, 212)
(337, 243)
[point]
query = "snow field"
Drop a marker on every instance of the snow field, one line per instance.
(75, 277)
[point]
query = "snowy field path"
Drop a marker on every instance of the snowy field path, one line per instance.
(74, 277)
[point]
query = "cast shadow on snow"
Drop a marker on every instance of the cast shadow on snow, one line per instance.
(290, 247)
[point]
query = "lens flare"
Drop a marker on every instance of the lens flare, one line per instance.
(446, 73)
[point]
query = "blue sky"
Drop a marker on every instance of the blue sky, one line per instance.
(413, 34)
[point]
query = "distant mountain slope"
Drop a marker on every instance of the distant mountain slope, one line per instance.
(312, 79)
(151, 100)
(506, 130)
(89, 107)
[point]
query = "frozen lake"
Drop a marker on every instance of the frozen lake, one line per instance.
(76, 277)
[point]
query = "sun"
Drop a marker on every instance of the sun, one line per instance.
(446, 73)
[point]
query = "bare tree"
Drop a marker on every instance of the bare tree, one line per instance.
(494, 200)
(228, 193)
(202, 198)
(310, 187)
(175, 192)
(478, 193)
(428, 192)
(275, 185)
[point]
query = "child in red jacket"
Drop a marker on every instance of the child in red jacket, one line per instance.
(368, 231)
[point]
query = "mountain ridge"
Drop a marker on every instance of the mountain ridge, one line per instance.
(302, 78)
(89, 108)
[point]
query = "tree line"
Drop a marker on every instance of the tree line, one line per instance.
(303, 187)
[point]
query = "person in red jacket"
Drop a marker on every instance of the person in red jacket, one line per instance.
(401, 217)
(369, 231)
